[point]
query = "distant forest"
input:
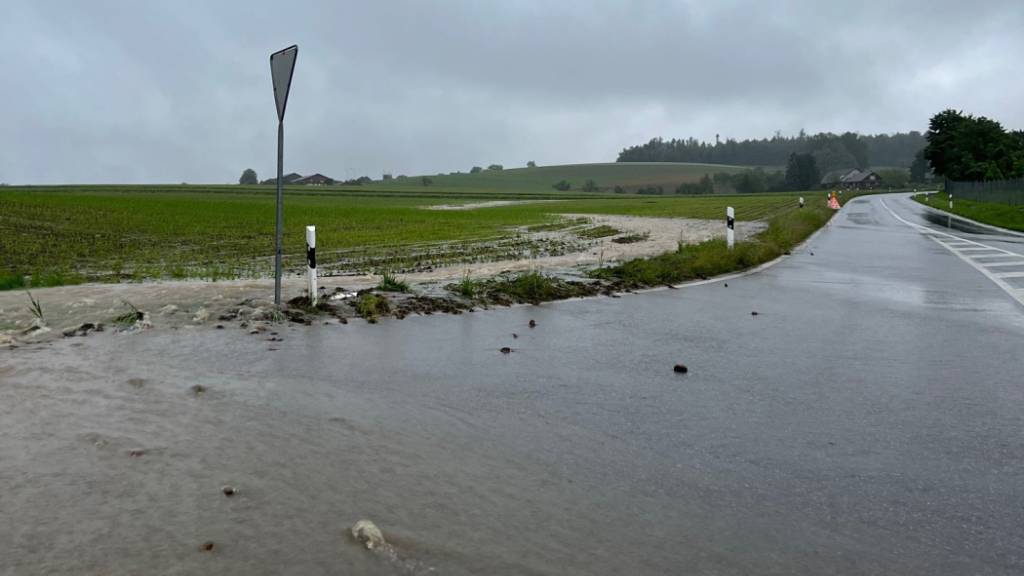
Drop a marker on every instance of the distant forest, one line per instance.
(831, 151)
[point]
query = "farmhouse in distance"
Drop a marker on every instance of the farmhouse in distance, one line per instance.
(300, 180)
(852, 178)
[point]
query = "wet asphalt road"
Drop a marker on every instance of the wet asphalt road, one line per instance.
(869, 420)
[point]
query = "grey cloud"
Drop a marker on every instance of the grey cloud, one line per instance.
(121, 91)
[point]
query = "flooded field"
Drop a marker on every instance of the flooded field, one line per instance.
(562, 248)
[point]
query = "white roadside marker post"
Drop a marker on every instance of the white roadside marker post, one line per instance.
(311, 262)
(950, 200)
(801, 201)
(730, 225)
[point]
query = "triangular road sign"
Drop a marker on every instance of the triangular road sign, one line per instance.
(282, 64)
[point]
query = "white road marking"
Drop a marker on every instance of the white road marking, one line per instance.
(974, 249)
(1015, 293)
(1010, 275)
(1007, 263)
(980, 256)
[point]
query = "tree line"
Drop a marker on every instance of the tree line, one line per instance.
(830, 151)
(967, 148)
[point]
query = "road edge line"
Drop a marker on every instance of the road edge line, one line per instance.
(924, 230)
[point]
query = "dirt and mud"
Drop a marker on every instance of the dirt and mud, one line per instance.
(75, 311)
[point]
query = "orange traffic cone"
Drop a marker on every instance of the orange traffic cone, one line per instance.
(833, 202)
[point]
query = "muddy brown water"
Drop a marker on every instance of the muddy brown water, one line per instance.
(833, 433)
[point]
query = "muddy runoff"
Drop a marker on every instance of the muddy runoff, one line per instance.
(78, 311)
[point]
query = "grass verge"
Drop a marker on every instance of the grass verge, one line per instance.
(1001, 215)
(713, 257)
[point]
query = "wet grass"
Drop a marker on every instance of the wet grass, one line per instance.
(631, 238)
(10, 281)
(35, 307)
(602, 231)
(556, 226)
(130, 317)
(532, 287)
(390, 283)
(467, 287)
(713, 257)
(371, 307)
(14, 281)
(1001, 215)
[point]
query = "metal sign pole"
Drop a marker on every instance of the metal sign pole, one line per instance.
(282, 65)
(280, 214)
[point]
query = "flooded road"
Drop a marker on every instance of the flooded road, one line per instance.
(867, 420)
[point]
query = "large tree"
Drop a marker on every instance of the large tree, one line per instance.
(802, 172)
(249, 177)
(965, 147)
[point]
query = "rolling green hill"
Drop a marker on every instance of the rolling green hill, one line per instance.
(629, 176)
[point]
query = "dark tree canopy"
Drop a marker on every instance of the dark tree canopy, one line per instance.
(831, 151)
(802, 172)
(965, 147)
(249, 177)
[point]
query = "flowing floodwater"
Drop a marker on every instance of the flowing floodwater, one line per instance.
(867, 420)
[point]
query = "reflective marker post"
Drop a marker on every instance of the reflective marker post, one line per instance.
(950, 200)
(282, 64)
(730, 225)
(311, 262)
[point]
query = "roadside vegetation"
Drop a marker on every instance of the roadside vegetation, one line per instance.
(1001, 215)
(713, 257)
(372, 307)
(390, 283)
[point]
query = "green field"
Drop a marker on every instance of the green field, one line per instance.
(1002, 215)
(113, 233)
(628, 175)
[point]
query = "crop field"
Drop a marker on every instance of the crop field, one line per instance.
(628, 175)
(120, 233)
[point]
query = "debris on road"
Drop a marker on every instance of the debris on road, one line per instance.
(206, 546)
(533, 323)
(198, 389)
(229, 491)
(83, 329)
(753, 313)
(368, 534)
(201, 315)
(680, 368)
(506, 350)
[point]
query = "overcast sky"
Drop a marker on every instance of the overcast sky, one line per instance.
(141, 92)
